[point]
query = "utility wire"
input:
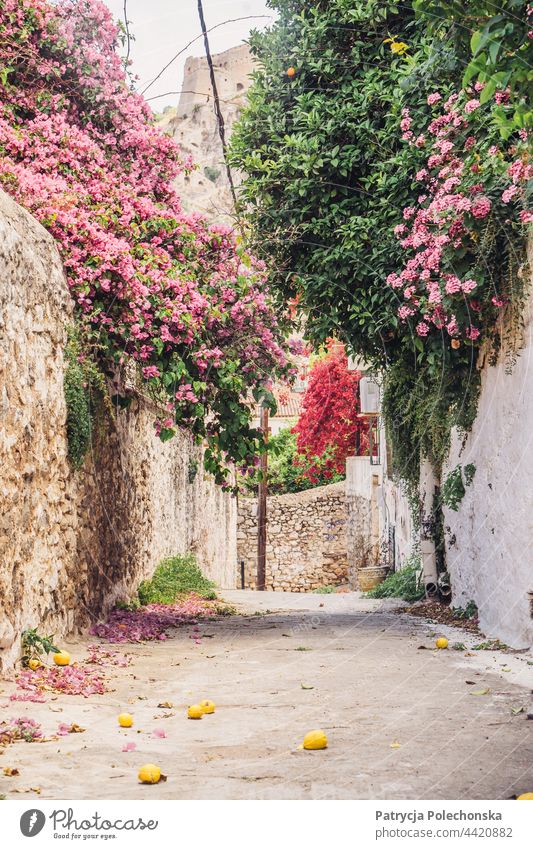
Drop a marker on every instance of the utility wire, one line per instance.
(218, 111)
(196, 38)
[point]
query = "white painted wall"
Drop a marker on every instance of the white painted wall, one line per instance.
(491, 558)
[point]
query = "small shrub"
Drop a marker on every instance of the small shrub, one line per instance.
(468, 612)
(325, 590)
(173, 577)
(405, 583)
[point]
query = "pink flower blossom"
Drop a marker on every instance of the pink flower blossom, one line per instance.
(434, 98)
(481, 207)
(471, 106)
(472, 333)
(509, 193)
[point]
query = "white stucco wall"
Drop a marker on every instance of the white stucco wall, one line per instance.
(490, 537)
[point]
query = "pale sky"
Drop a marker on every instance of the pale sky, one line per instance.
(163, 27)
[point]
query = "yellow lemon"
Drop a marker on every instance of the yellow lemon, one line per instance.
(441, 643)
(125, 720)
(207, 706)
(315, 740)
(149, 774)
(62, 658)
(34, 663)
(525, 796)
(195, 712)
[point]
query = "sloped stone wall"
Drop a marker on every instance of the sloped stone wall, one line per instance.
(72, 543)
(306, 539)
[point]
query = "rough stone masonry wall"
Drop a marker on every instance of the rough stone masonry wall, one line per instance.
(73, 543)
(306, 539)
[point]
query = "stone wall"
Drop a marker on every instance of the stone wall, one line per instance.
(73, 543)
(306, 539)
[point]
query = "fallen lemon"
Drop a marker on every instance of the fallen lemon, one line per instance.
(291, 72)
(207, 706)
(125, 720)
(149, 774)
(62, 658)
(195, 712)
(34, 663)
(525, 796)
(315, 740)
(441, 643)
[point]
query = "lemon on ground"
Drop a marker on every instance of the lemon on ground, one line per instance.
(207, 706)
(195, 712)
(34, 663)
(315, 740)
(525, 796)
(149, 774)
(62, 658)
(441, 643)
(125, 720)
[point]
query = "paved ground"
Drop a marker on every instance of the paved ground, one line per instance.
(373, 686)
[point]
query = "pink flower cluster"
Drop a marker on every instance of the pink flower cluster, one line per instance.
(79, 149)
(19, 728)
(152, 621)
(444, 225)
(75, 680)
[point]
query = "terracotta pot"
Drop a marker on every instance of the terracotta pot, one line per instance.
(371, 576)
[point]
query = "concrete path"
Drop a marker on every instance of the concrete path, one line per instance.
(402, 722)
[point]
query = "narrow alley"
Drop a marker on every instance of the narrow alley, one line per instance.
(403, 720)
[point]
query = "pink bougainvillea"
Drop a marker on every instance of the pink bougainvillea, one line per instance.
(19, 728)
(75, 680)
(152, 621)
(468, 184)
(79, 149)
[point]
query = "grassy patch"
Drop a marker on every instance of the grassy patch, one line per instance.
(173, 577)
(325, 590)
(405, 583)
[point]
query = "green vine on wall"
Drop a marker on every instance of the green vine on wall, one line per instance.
(86, 392)
(454, 487)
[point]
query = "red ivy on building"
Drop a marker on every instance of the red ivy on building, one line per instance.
(328, 430)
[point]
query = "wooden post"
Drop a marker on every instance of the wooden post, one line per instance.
(262, 507)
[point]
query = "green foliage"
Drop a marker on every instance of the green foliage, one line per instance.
(325, 590)
(211, 173)
(454, 487)
(85, 392)
(405, 583)
(420, 406)
(322, 212)
(35, 646)
(173, 577)
(492, 40)
(468, 612)
(287, 467)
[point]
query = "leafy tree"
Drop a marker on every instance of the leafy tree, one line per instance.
(325, 163)
(493, 39)
(363, 167)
